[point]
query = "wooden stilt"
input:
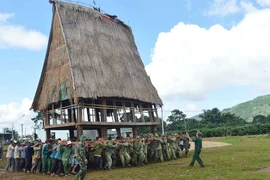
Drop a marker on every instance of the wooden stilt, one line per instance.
(132, 112)
(104, 133)
(48, 133)
(135, 132)
(71, 134)
(115, 112)
(88, 114)
(79, 132)
(118, 131)
(141, 111)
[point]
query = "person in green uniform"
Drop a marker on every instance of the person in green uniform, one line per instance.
(124, 156)
(110, 154)
(66, 154)
(81, 158)
(138, 152)
(198, 146)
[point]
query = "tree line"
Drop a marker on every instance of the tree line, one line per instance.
(215, 123)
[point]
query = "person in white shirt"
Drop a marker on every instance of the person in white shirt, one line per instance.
(17, 156)
(10, 157)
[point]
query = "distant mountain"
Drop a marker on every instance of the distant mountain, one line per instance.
(247, 110)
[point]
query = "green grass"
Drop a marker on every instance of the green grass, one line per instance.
(241, 160)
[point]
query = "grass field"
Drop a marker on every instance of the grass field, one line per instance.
(241, 160)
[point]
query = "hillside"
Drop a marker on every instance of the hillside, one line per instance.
(249, 109)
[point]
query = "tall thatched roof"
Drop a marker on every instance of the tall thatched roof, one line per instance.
(102, 57)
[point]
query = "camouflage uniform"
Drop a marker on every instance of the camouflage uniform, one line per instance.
(81, 157)
(165, 149)
(171, 149)
(110, 155)
(145, 145)
(159, 154)
(124, 156)
(177, 149)
(138, 153)
(186, 145)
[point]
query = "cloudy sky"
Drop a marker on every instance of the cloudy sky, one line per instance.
(199, 54)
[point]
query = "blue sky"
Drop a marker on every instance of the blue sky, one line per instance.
(160, 38)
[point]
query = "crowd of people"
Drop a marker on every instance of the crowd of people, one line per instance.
(61, 157)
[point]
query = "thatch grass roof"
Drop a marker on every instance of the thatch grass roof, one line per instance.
(103, 57)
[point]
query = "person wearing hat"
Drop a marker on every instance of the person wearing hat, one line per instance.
(66, 154)
(198, 146)
(37, 157)
(81, 158)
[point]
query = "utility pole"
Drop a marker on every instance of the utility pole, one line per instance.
(12, 132)
(162, 126)
(22, 129)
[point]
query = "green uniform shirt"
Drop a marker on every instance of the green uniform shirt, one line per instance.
(111, 148)
(99, 149)
(81, 154)
(198, 142)
(66, 153)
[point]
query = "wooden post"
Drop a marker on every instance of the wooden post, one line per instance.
(79, 112)
(104, 132)
(88, 114)
(54, 120)
(155, 110)
(72, 111)
(135, 132)
(99, 132)
(70, 115)
(47, 118)
(132, 112)
(48, 133)
(71, 134)
(61, 113)
(104, 111)
(118, 131)
(115, 112)
(79, 132)
(151, 114)
(141, 111)
(97, 115)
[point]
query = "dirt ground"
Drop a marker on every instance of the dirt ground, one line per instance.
(209, 144)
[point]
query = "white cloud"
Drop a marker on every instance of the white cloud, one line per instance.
(5, 16)
(17, 113)
(247, 7)
(190, 61)
(263, 3)
(223, 7)
(16, 36)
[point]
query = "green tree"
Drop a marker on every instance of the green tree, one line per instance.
(177, 121)
(211, 118)
(259, 119)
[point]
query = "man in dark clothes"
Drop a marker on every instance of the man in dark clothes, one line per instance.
(197, 151)
(28, 157)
